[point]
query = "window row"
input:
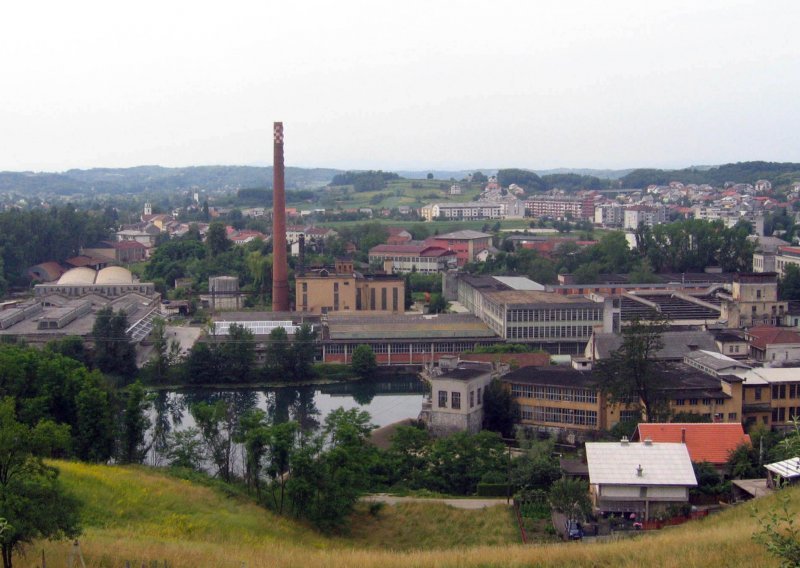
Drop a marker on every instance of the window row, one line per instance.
(694, 401)
(570, 314)
(554, 393)
(559, 415)
(550, 332)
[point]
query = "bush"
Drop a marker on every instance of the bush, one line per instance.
(494, 489)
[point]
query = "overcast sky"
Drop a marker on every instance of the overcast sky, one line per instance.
(399, 85)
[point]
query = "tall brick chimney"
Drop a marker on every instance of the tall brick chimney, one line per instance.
(280, 269)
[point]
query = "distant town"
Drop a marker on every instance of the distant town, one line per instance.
(650, 333)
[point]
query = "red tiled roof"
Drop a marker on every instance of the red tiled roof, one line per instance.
(705, 442)
(768, 335)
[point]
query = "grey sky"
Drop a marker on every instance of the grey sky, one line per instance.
(409, 84)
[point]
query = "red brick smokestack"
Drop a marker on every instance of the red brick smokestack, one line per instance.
(280, 270)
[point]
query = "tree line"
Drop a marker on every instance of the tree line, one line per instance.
(30, 237)
(681, 246)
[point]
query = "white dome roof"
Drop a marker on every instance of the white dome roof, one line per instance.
(78, 277)
(114, 275)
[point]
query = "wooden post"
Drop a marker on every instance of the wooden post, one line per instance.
(44, 562)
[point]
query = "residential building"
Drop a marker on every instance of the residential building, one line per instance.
(711, 442)
(642, 479)
(644, 215)
(609, 215)
(471, 210)
(773, 344)
(560, 207)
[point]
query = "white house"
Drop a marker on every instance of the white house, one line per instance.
(643, 478)
(457, 390)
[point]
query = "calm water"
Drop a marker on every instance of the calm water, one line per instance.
(386, 400)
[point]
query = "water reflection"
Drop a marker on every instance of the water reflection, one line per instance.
(387, 401)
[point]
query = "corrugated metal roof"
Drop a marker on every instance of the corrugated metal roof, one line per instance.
(616, 463)
(787, 469)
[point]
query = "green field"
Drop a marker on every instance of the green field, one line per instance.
(142, 515)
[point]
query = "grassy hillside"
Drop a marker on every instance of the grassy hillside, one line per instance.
(139, 515)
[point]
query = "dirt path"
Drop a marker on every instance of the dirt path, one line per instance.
(456, 503)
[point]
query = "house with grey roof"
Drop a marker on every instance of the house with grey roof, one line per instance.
(643, 479)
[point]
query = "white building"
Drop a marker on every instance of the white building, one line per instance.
(457, 390)
(643, 478)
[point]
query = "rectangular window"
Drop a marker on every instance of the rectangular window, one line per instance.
(680, 402)
(782, 392)
(775, 392)
(383, 299)
(472, 399)
(372, 299)
(732, 417)
(479, 395)
(455, 400)
(693, 402)
(394, 299)
(757, 393)
(792, 391)
(442, 399)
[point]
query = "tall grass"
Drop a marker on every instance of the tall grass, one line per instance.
(140, 515)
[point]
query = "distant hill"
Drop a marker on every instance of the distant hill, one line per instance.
(157, 178)
(602, 174)
(445, 174)
(778, 173)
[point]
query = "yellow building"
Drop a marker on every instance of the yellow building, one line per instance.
(771, 397)
(341, 289)
(567, 399)
(753, 301)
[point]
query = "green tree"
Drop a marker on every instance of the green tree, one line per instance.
(216, 424)
(217, 241)
(363, 361)
(113, 351)
(185, 449)
(571, 497)
(779, 534)
(500, 410)
(438, 304)
(536, 468)
(302, 352)
(789, 284)
(134, 425)
(457, 463)
(632, 374)
(237, 353)
(94, 434)
(278, 354)
(32, 501)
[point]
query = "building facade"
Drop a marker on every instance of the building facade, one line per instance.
(341, 289)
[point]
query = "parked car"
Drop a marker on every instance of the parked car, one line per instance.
(574, 530)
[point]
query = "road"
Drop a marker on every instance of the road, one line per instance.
(456, 503)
